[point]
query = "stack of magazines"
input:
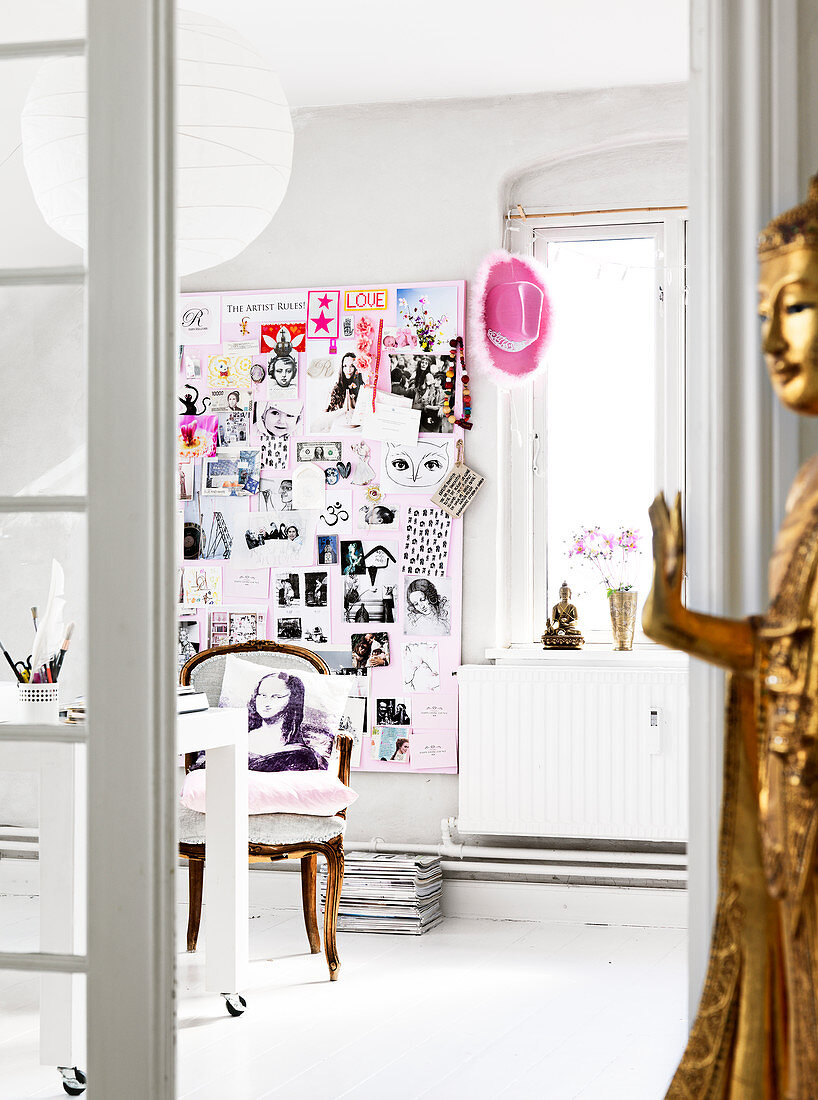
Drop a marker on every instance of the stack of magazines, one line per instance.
(397, 894)
(75, 712)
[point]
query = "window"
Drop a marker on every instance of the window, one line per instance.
(603, 429)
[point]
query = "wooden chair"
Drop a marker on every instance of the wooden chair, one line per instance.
(271, 836)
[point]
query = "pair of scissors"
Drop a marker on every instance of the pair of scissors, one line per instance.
(24, 669)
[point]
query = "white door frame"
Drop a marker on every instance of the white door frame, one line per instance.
(742, 446)
(131, 512)
(129, 505)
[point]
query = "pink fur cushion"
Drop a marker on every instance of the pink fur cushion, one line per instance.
(316, 793)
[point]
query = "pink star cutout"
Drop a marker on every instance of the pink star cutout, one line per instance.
(323, 301)
(321, 323)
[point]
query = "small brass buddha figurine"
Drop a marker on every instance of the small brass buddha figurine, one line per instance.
(755, 1036)
(561, 630)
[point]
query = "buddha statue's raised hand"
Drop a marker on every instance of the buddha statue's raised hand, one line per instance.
(726, 642)
(663, 608)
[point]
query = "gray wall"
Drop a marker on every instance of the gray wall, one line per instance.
(416, 191)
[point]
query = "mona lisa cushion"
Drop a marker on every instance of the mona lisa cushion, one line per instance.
(316, 793)
(292, 715)
(303, 708)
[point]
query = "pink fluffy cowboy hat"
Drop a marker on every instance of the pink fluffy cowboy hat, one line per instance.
(510, 318)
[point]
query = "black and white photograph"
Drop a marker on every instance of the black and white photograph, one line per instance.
(333, 393)
(282, 375)
(427, 606)
(288, 630)
(370, 650)
(392, 712)
(371, 595)
(317, 451)
(234, 427)
(315, 633)
(421, 377)
(369, 603)
(284, 539)
(315, 618)
(288, 589)
(188, 645)
(382, 515)
(315, 589)
(426, 536)
(217, 515)
(278, 418)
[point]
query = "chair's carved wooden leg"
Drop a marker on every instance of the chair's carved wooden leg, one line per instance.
(309, 871)
(195, 881)
(334, 852)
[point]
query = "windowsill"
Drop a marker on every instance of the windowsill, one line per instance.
(593, 654)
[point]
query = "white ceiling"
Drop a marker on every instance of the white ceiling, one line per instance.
(370, 51)
(365, 51)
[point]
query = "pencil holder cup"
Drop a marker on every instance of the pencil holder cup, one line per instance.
(39, 703)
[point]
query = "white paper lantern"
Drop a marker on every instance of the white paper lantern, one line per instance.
(234, 151)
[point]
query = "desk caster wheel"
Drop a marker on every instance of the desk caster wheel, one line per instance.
(74, 1080)
(236, 1004)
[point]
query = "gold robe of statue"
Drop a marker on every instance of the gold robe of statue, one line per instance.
(755, 1036)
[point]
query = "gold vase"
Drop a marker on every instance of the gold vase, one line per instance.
(623, 618)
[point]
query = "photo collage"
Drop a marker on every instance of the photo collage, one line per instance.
(313, 432)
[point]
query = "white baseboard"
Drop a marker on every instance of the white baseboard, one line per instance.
(553, 902)
(19, 877)
(280, 888)
(530, 901)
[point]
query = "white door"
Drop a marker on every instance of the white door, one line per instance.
(86, 477)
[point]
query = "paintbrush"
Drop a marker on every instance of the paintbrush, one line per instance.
(69, 630)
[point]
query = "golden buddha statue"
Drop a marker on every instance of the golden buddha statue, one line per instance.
(561, 630)
(756, 1033)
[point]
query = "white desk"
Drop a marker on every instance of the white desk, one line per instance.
(62, 864)
(223, 733)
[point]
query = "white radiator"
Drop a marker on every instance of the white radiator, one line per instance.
(594, 752)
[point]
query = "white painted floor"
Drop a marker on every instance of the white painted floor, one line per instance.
(475, 1009)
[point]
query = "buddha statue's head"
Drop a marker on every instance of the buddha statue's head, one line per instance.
(788, 303)
(565, 592)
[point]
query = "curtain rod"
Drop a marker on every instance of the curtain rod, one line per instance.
(524, 214)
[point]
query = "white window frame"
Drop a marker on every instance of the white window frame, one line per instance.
(130, 508)
(522, 424)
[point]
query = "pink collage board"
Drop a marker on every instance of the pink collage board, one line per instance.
(276, 387)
